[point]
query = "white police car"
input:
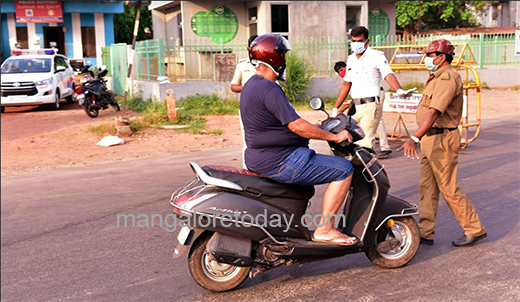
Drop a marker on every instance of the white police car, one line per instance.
(35, 77)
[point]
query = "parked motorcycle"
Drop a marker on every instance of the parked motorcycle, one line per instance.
(93, 93)
(238, 223)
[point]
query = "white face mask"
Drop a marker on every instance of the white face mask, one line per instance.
(428, 62)
(357, 47)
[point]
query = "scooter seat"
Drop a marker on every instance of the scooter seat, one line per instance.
(258, 185)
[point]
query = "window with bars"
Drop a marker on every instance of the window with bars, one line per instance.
(280, 19)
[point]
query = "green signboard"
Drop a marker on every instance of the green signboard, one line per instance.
(378, 23)
(218, 22)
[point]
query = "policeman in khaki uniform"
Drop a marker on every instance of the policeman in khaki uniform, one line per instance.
(438, 116)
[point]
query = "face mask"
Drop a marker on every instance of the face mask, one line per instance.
(357, 47)
(342, 73)
(428, 62)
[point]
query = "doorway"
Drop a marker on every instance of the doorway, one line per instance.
(54, 34)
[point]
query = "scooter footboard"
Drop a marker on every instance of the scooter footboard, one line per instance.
(395, 207)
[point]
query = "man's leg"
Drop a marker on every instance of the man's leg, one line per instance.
(381, 129)
(428, 190)
(446, 169)
(334, 197)
(367, 121)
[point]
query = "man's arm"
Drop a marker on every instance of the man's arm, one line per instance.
(410, 146)
(343, 92)
(393, 82)
(310, 131)
(236, 82)
(236, 88)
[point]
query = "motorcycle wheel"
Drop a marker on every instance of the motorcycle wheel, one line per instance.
(115, 104)
(406, 231)
(92, 112)
(210, 274)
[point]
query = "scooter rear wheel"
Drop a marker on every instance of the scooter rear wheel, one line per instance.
(210, 274)
(405, 229)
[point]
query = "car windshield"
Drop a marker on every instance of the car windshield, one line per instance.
(27, 65)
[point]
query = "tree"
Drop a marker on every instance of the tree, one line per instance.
(124, 24)
(414, 16)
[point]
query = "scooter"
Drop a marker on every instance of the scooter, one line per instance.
(236, 223)
(93, 93)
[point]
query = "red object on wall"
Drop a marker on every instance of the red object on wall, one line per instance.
(38, 11)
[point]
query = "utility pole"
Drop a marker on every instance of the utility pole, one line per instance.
(138, 5)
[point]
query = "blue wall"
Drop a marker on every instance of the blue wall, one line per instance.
(69, 46)
(109, 30)
(86, 10)
(4, 36)
(87, 20)
(76, 7)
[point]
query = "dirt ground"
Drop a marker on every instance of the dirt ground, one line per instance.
(36, 138)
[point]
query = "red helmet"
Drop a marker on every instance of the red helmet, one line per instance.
(269, 49)
(441, 45)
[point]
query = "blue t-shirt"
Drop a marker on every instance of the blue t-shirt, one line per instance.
(265, 114)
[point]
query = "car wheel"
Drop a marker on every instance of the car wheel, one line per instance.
(3, 109)
(57, 100)
(70, 98)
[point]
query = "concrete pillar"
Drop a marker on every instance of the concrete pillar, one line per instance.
(77, 42)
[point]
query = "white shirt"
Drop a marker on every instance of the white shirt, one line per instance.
(244, 71)
(365, 73)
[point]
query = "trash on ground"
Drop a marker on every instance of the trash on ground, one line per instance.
(110, 140)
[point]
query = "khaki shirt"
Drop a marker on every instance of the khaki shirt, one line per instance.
(244, 71)
(443, 92)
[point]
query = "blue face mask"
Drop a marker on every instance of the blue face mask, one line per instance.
(357, 47)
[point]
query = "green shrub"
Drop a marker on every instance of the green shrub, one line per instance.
(138, 104)
(298, 77)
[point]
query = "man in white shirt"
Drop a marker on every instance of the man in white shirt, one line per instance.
(365, 67)
(244, 71)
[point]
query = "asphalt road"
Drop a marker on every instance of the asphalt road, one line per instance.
(60, 241)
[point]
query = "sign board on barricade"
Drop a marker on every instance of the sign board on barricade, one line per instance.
(400, 104)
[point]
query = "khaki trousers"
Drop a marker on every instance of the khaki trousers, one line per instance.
(439, 167)
(367, 116)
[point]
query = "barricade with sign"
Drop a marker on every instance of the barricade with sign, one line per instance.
(399, 104)
(406, 58)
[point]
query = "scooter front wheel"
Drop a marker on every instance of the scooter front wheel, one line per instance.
(406, 231)
(90, 110)
(210, 274)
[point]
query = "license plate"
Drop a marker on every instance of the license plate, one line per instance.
(80, 96)
(17, 97)
(184, 233)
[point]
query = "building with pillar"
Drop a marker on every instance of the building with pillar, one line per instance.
(79, 28)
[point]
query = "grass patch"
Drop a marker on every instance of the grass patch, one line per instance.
(102, 130)
(217, 131)
(208, 105)
(155, 113)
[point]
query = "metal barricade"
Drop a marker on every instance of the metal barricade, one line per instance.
(407, 58)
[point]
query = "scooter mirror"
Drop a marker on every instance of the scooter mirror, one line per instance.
(316, 104)
(351, 109)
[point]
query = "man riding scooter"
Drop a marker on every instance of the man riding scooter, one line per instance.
(277, 138)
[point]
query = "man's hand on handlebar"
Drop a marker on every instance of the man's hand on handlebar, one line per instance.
(343, 138)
